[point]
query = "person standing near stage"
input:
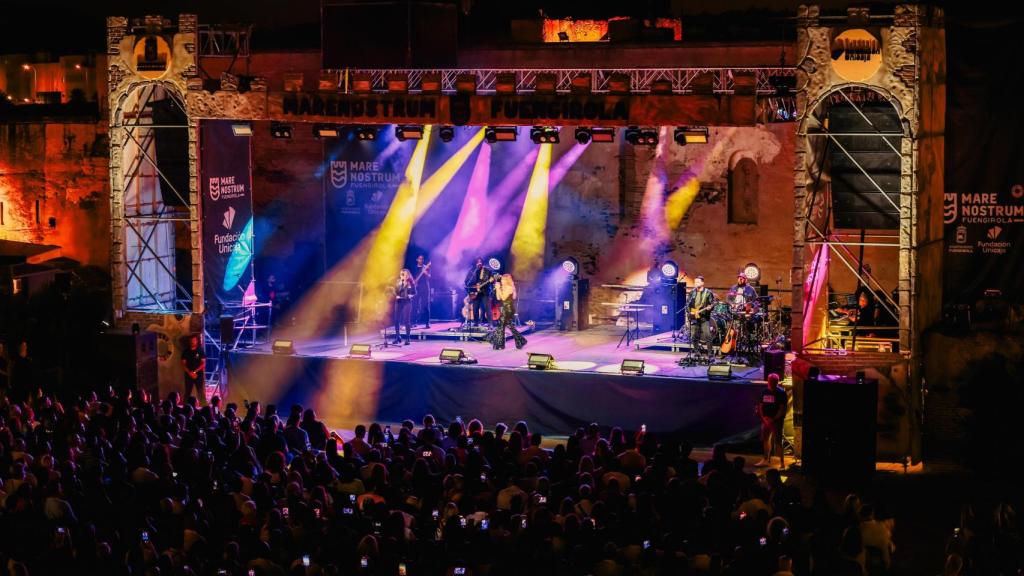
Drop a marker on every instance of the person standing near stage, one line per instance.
(405, 291)
(772, 411)
(505, 291)
(698, 312)
(421, 304)
(193, 361)
(478, 283)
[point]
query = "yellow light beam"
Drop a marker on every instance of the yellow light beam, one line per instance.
(441, 177)
(680, 200)
(528, 242)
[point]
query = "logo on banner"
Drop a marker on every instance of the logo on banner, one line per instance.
(961, 234)
(1017, 191)
(993, 232)
(350, 198)
(229, 217)
(339, 173)
(949, 208)
(214, 189)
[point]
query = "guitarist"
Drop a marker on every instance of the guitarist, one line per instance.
(698, 307)
(478, 284)
(421, 304)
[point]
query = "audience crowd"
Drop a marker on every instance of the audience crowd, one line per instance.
(128, 484)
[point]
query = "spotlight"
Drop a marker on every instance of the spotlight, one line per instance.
(280, 130)
(455, 356)
(603, 134)
(571, 266)
(366, 133)
(582, 135)
(540, 361)
(752, 272)
(360, 351)
(405, 132)
(641, 137)
(283, 347)
(544, 135)
(633, 367)
(494, 264)
(447, 133)
(500, 134)
(669, 271)
(326, 130)
(684, 135)
(241, 129)
(649, 137)
(633, 135)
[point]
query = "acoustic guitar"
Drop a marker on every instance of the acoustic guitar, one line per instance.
(729, 344)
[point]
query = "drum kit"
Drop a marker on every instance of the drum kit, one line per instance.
(741, 329)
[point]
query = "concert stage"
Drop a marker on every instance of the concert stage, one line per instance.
(408, 381)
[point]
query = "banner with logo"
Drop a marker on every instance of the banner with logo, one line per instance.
(360, 181)
(983, 208)
(226, 185)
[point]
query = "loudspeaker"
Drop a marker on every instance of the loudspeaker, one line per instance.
(130, 358)
(839, 426)
(774, 363)
(572, 305)
(227, 331)
(669, 300)
(720, 372)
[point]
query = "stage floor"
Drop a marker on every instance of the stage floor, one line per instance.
(408, 381)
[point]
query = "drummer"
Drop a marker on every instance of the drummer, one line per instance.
(742, 298)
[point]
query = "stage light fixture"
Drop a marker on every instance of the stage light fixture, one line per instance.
(455, 356)
(649, 137)
(684, 135)
(582, 135)
(571, 266)
(500, 134)
(540, 361)
(752, 272)
(326, 130)
(632, 135)
(494, 264)
(405, 132)
(669, 271)
(544, 135)
(283, 347)
(602, 134)
(632, 367)
(280, 130)
(360, 350)
(366, 133)
(241, 128)
(447, 133)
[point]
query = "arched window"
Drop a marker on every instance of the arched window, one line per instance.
(744, 181)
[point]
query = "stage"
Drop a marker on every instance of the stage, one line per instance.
(585, 386)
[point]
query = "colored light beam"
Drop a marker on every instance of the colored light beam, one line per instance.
(814, 290)
(471, 225)
(680, 200)
(561, 168)
(387, 253)
(529, 239)
(434, 185)
(652, 207)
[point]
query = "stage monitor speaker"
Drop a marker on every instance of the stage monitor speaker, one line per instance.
(171, 146)
(360, 350)
(573, 304)
(455, 356)
(227, 331)
(540, 361)
(283, 347)
(131, 359)
(720, 372)
(839, 426)
(774, 363)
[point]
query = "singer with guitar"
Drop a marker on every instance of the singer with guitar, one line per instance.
(478, 285)
(421, 304)
(405, 291)
(698, 307)
(193, 362)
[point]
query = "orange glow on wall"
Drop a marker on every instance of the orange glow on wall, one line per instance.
(597, 30)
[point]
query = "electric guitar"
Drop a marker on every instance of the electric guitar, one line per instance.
(426, 267)
(698, 313)
(474, 289)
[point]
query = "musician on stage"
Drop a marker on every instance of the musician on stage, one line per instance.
(478, 283)
(505, 291)
(698, 307)
(742, 297)
(405, 291)
(421, 304)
